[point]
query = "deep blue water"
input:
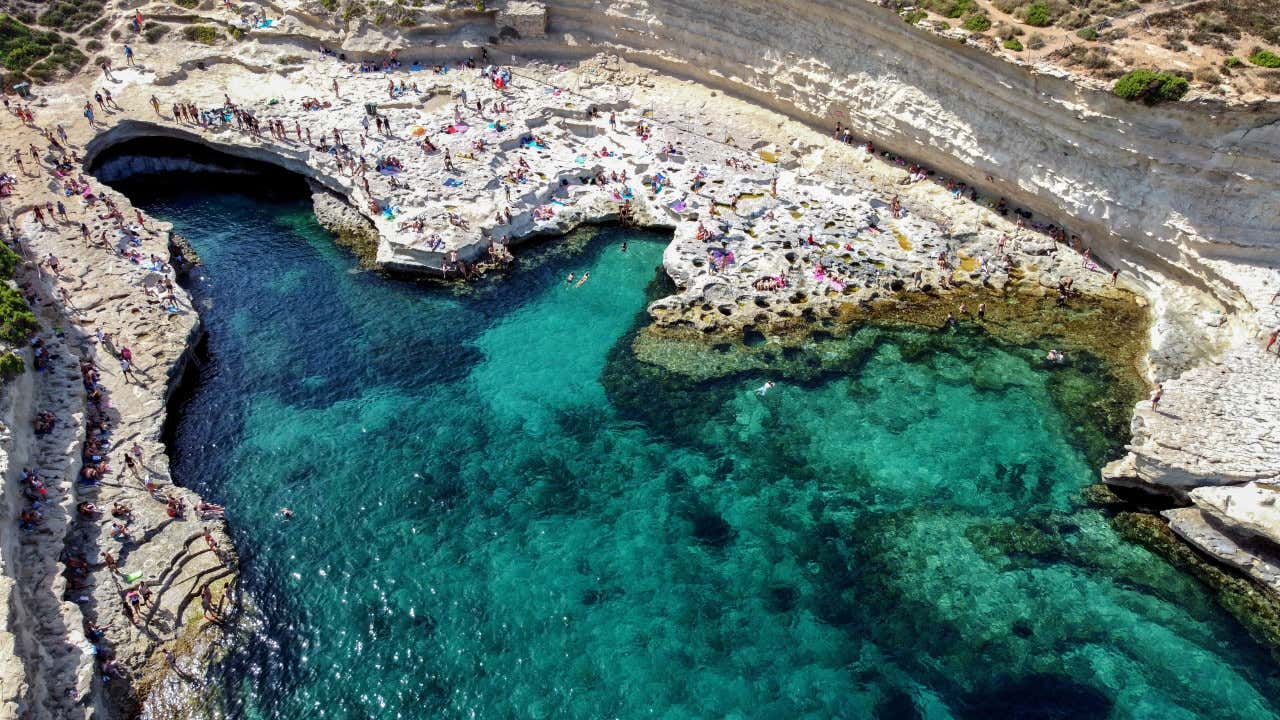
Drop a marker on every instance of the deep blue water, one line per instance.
(500, 514)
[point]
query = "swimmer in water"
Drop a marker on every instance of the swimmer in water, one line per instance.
(286, 513)
(585, 275)
(624, 246)
(766, 387)
(569, 280)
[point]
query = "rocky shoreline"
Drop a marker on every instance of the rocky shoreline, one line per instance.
(777, 228)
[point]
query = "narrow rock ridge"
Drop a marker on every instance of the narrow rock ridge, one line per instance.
(46, 601)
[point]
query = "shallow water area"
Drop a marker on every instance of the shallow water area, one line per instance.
(501, 513)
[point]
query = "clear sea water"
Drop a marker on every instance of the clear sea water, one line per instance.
(499, 516)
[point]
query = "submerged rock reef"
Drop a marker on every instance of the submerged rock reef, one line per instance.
(992, 195)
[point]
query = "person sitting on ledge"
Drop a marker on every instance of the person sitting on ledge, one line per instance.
(175, 506)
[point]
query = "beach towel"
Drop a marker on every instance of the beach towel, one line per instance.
(452, 182)
(678, 206)
(457, 128)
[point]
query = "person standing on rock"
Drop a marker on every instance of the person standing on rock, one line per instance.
(128, 54)
(335, 88)
(155, 104)
(1271, 340)
(1159, 393)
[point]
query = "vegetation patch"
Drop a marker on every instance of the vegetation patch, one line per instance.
(188, 4)
(1150, 86)
(71, 16)
(1087, 32)
(950, 8)
(1264, 58)
(1038, 14)
(21, 47)
(1228, 19)
(154, 31)
(203, 34)
(96, 28)
(977, 23)
(17, 324)
(1012, 44)
(8, 262)
(11, 365)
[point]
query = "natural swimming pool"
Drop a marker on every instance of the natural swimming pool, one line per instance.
(500, 513)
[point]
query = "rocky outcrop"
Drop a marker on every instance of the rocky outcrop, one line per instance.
(1239, 526)
(1147, 186)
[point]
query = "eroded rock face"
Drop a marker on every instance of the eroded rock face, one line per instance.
(1252, 509)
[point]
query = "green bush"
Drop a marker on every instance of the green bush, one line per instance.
(1150, 86)
(95, 29)
(1039, 14)
(20, 46)
(1233, 62)
(155, 32)
(1087, 33)
(1013, 44)
(329, 5)
(71, 16)
(1265, 58)
(914, 16)
(188, 4)
(11, 365)
(977, 23)
(950, 8)
(17, 324)
(8, 262)
(203, 34)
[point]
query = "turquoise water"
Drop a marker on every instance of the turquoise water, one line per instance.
(499, 514)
